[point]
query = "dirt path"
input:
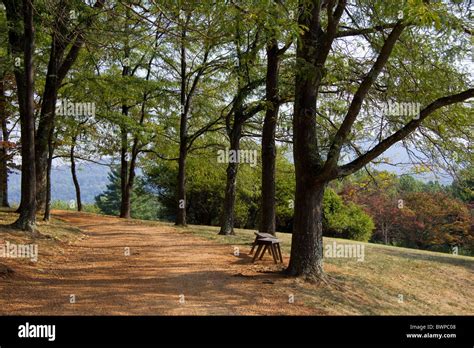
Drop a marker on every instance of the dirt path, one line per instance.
(166, 273)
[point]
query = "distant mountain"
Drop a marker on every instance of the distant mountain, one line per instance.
(93, 179)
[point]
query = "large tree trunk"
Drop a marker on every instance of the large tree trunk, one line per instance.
(3, 147)
(27, 218)
(268, 141)
(228, 214)
(307, 240)
(74, 175)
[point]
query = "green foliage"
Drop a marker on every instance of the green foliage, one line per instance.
(143, 205)
(408, 183)
(205, 191)
(463, 186)
(285, 194)
(205, 187)
(345, 220)
(63, 205)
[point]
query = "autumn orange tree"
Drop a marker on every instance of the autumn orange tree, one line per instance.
(439, 222)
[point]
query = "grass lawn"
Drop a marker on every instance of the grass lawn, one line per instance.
(427, 282)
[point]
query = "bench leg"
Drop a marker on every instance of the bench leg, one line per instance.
(263, 252)
(257, 252)
(279, 253)
(274, 253)
(253, 246)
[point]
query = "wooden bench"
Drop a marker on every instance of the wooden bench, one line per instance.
(264, 242)
(257, 236)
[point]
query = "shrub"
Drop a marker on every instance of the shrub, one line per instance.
(345, 220)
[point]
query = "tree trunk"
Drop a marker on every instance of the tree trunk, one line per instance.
(268, 141)
(46, 123)
(47, 209)
(60, 62)
(3, 147)
(228, 214)
(227, 220)
(4, 178)
(48, 107)
(74, 175)
(125, 201)
(181, 215)
(307, 240)
(27, 219)
(124, 186)
(385, 231)
(127, 173)
(183, 137)
(16, 39)
(131, 179)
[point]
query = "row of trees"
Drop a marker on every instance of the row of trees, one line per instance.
(170, 79)
(380, 207)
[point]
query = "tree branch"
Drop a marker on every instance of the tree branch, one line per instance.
(363, 31)
(359, 97)
(403, 132)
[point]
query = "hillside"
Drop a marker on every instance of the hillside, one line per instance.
(92, 178)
